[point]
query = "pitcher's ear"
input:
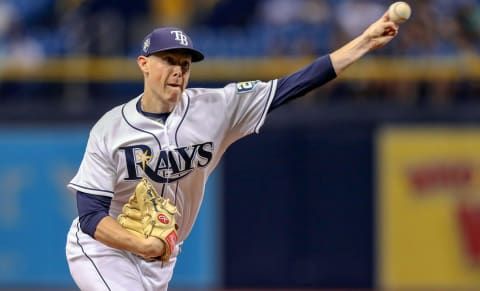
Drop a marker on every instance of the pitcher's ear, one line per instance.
(142, 63)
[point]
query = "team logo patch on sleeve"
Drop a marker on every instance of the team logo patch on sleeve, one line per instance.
(244, 87)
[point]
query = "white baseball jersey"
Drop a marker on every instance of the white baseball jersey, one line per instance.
(178, 156)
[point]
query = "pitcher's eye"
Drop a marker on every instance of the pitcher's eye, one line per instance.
(169, 60)
(185, 66)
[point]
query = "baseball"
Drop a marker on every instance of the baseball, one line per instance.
(399, 12)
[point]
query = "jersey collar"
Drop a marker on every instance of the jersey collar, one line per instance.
(135, 117)
(155, 116)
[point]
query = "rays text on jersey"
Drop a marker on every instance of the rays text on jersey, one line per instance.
(171, 165)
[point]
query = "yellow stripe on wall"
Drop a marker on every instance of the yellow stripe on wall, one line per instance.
(94, 69)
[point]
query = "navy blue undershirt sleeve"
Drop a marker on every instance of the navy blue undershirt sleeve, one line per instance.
(91, 209)
(301, 82)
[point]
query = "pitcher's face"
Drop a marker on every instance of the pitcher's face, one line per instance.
(166, 74)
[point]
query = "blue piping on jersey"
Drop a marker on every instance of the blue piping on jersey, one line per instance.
(183, 118)
(141, 130)
(88, 257)
(86, 188)
(271, 93)
(176, 139)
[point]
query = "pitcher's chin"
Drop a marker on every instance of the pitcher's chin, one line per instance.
(174, 96)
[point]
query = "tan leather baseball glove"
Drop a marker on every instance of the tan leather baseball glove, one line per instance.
(147, 214)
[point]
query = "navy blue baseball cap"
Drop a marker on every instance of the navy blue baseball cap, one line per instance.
(169, 38)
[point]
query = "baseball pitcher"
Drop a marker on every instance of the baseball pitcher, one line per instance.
(142, 178)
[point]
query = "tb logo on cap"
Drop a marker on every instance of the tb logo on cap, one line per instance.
(180, 37)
